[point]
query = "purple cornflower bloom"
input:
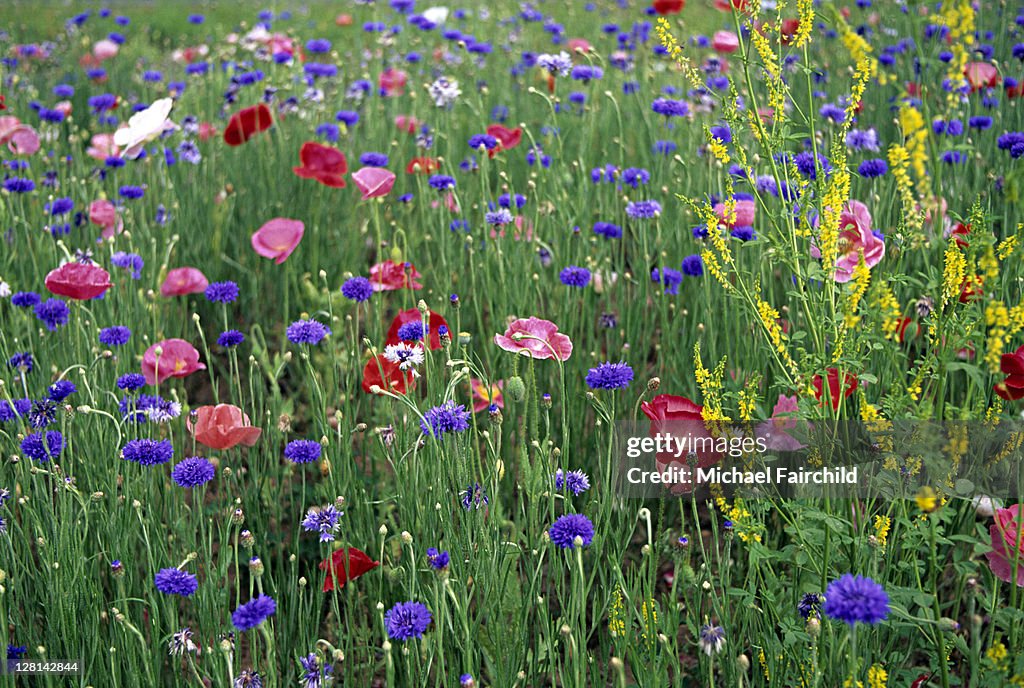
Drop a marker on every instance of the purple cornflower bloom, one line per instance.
(567, 528)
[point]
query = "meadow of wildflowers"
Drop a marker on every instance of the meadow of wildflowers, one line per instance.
(320, 325)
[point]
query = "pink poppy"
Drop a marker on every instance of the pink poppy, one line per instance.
(23, 141)
(105, 49)
(323, 163)
(856, 237)
(182, 281)
(1006, 547)
(278, 238)
(485, 395)
(79, 281)
(745, 211)
(392, 82)
(389, 276)
(206, 131)
(104, 213)
(407, 123)
(373, 182)
(783, 418)
(102, 146)
(177, 358)
(8, 123)
(981, 75)
(222, 427)
(579, 45)
(725, 41)
(536, 338)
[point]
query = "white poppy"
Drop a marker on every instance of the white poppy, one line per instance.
(435, 15)
(143, 127)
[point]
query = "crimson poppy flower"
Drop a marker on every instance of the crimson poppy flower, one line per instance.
(849, 383)
(222, 426)
(380, 372)
(789, 29)
(904, 331)
(972, 289)
(664, 7)
(79, 281)
(323, 163)
(412, 318)
(422, 165)
(389, 276)
(345, 566)
(960, 230)
(1012, 365)
(507, 138)
(246, 123)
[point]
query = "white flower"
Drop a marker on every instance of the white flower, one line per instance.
(405, 355)
(143, 127)
(5, 290)
(444, 91)
(436, 15)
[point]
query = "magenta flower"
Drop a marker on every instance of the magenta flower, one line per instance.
(278, 238)
(182, 281)
(1007, 553)
(177, 358)
(374, 182)
(745, 211)
(855, 237)
(536, 338)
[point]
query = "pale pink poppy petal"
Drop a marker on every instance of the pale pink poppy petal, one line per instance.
(278, 238)
(374, 182)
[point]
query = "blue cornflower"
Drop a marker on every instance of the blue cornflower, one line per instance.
(743, 233)
(230, 338)
(576, 482)
(146, 452)
(507, 200)
(437, 560)
(670, 278)
(42, 413)
(567, 528)
(407, 620)
(22, 361)
(413, 331)
(61, 390)
(175, 582)
(643, 209)
(474, 497)
(585, 73)
(866, 140)
(441, 182)
(693, 265)
(665, 148)
(670, 108)
(307, 332)
(222, 292)
(374, 159)
(856, 598)
(574, 276)
(19, 408)
(347, 117)
(980, 123)
(357, 289)
(318, 45)
(43, 446)
(314, 674)
(449, 417)
(53, 313)
(635, 176)
(872, 167)
(501, 216)
(118, 335)
(19, 185)
(485, 140)
(302, 451)
(953, 157)
(323, 520)
(810, 604)
(193, 472)
(131, 192)
(131, 381)
(607, 230)
(329, 132)
(253, 613)
(59, 206)
(25, 299)
(610, 376)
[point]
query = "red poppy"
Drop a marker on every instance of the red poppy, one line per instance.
(507, 138)
(1012, 365)
(789, 29)
(434, 323)
(960, 230)
(903, 331)
(392, 82)
(664, 7)
(380, 372)
(423, 165)
(850, 384)
(78, 281)
(345, 566)
(920, 680)
(972, 289)
(981, 75)
(389, 276)
(246, 123)
(407, 123)
(683, 419)
(729, 5)
(323, 163)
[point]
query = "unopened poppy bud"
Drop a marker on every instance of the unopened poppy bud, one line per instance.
(653, 384)
(302, 581)
(421, 306)
(515, 388)
(383, 530)
(407, 537)
(743, 662)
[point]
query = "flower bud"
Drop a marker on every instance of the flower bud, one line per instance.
(515, 388)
